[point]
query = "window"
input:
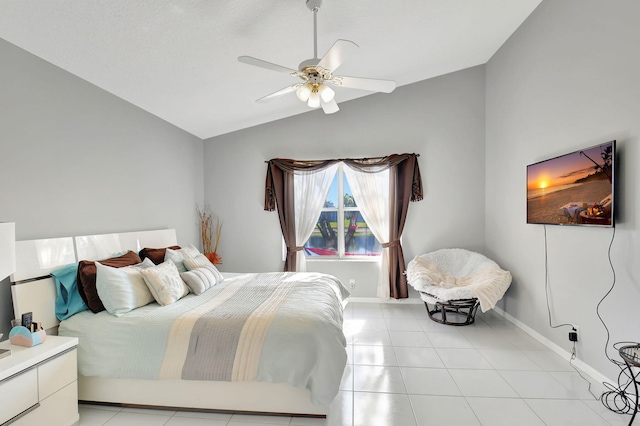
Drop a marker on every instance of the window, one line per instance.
(384, 186)
(353, 238)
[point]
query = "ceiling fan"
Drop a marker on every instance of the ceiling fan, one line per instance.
(317, 73)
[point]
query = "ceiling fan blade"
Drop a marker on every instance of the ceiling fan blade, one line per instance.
(264, 64)
(370, 84)
(329, 107)
(280, 92)
(338, 53)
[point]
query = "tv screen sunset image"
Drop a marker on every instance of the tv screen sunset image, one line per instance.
(573, 189)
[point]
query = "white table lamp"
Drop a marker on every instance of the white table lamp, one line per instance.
(7, 249)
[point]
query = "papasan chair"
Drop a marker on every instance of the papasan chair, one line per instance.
(454, 282)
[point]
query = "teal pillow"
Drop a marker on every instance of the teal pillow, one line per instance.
(68, 299)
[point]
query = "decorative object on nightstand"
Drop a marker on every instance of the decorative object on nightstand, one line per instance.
(22, 336)
(206, 233)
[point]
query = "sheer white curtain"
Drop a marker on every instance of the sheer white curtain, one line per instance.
(311, 191)
(371, 191)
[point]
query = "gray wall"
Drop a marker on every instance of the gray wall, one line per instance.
(567, 79)
(76, 160)
(441, 119)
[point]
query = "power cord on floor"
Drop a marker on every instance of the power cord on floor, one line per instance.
(574, 355)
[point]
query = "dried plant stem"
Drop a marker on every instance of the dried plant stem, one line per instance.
(218, 232)
(207, 219)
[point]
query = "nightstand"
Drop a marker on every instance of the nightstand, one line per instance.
(39, 385)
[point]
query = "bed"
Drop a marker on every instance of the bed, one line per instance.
(258, 343)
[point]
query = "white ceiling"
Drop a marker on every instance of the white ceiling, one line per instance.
(177, 59)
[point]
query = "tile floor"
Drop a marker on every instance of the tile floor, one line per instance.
(405, 370)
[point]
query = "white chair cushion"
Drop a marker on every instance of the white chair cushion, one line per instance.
(454, 274)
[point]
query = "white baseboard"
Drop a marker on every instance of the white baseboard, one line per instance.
(407, 301)
(595, 374)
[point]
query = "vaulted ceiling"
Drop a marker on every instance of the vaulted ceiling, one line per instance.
(178, 59)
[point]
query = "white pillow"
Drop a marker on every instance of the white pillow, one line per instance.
(199, 280)
(164, 282)
(191, 251)
(177, 256)
(122, 289)
(201, 261)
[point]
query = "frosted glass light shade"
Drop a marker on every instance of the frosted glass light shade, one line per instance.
(7, 249)
(304, 92)
(314, 100)
(326, 92)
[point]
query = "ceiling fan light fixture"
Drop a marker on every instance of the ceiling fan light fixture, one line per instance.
(326, 92)
(314, 99)
(304, 91)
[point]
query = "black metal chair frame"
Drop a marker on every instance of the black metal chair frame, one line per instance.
(458, 308)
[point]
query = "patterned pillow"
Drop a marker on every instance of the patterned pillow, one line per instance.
(165, 283)
(199, 280)
(201, 261)
(123, 289)
(177, 256)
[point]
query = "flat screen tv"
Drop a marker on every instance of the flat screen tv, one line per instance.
(573, 189)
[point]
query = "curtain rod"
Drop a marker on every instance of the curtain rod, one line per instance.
(345, 159)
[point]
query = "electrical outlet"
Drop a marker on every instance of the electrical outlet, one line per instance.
(352, 283)
(574, 333)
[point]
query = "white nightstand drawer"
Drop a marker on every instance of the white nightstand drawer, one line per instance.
(61, 408)
(57, 373)
(18, 394)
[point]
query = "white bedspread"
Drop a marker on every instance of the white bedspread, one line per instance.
(293, 334)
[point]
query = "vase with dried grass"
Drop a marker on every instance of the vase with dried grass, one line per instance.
(209, 241)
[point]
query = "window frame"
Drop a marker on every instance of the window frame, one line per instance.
(340, 228)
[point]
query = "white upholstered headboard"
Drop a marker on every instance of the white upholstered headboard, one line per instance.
(33, 289)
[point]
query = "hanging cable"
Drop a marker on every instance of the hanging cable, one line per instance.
(613, 284)
(546, 282)
(617, 399)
